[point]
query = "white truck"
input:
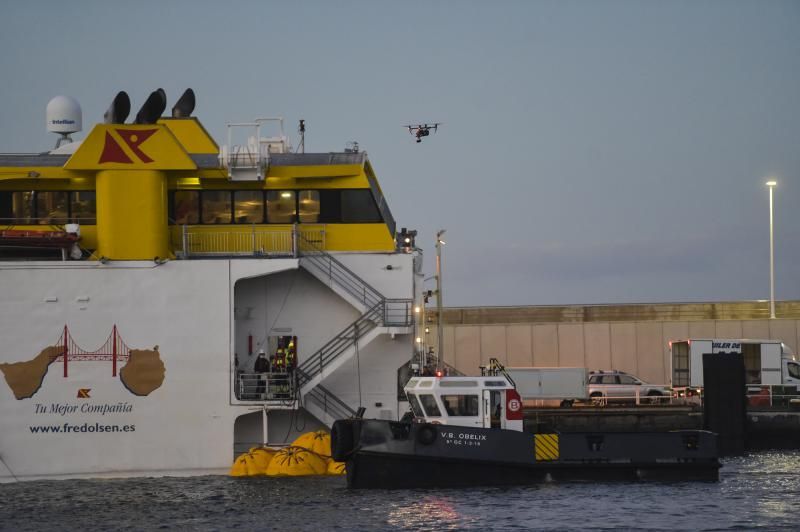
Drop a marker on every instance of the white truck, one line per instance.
(546, 385)
(766, 362)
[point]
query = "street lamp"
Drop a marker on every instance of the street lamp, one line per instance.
(439, 329)
(771, 184)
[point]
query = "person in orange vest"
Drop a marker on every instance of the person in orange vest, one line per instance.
(280, 359)
(280, 367)
(291, 356)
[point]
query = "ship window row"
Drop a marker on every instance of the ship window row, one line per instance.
(191, 207)
(456, 405)
(22, 207)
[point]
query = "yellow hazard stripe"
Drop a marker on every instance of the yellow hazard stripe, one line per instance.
(546, 447)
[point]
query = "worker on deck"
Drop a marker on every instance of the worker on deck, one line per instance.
(290, 359)
(261, 367)
(280, 368)
(280, 359)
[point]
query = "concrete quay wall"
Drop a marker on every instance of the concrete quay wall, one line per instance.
(632, 338)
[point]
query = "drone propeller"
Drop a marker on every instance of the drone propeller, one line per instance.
(422, 130)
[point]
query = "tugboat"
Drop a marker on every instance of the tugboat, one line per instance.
(468, 431)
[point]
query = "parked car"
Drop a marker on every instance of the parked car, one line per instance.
(618, 386)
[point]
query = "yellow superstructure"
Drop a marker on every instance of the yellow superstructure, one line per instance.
(159, 190)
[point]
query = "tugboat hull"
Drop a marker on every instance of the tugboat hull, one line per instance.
(385, 454)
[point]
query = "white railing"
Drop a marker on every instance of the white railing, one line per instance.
(272, 386)
(773, 396)
(621, 393)
(203, 241)
(758, 396)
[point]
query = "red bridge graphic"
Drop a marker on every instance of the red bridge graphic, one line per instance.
(113, 349)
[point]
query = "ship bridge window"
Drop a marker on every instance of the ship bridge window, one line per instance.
(185, 207)
(83, 207)
(461, 405)
(16, 207)
(358, 206)
(215, 206)
(281, 207)
(309, 206)
(248, 206)
(48, 207)
(189, 207)
(495, 383)
(330, 206)
(429, 403)
(52, 207)
(415, 406)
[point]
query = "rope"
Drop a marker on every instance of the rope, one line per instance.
(358, 367)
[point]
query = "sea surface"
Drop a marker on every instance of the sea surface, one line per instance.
(758, 491)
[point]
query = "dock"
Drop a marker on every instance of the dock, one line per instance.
(764, 429)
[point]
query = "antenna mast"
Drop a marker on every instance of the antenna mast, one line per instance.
(302, 129)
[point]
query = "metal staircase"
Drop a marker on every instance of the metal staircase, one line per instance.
(379, 313)
(326, 406)
(310, 371)
(336, 275)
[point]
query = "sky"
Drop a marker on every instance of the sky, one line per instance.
(591, 151)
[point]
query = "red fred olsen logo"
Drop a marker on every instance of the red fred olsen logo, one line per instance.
(514, 405)
(133, 138)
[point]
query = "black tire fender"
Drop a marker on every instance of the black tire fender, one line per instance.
(426, 434)
(342, 440)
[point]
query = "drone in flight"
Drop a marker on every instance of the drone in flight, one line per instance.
(422, 130)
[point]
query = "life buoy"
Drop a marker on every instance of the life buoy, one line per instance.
(426, 434)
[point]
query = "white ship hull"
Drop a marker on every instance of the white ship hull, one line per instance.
(200, 315)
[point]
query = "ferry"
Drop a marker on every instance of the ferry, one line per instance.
(469, 431)
(143, 269)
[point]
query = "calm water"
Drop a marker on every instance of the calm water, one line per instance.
(758, 491)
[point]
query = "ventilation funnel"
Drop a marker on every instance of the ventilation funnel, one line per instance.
(184, 106)
(119, 110)
(153, 108)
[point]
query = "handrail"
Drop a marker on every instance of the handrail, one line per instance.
(328, 265)
(241, 240)
(495, 368)
(265, 386)
(316, 363)
(330, 403)
(398, 312)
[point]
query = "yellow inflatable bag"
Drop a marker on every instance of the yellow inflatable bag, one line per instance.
(296, 462)
(262, 456)
(245, 466)
(318, 442)
(336, 468)
(239, 467)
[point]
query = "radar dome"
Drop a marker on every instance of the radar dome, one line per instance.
(64, 115)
